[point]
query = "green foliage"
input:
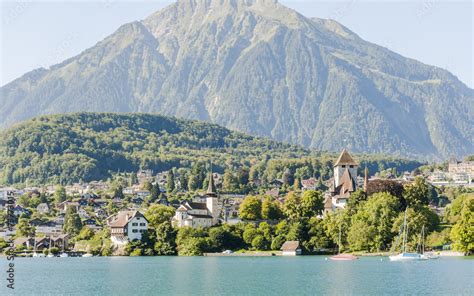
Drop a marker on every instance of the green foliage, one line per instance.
(271, 209)
(462, 232)
(417, 193)
(24, 228)
(251, 208)
(159, 214)
(371, 227)
(170, 183)
(312, 203)
(165, 244)
(72, 221)
(60, 194)
(63, 149)
(85, 234)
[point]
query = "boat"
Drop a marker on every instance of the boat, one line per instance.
(342, 257)
(404, 255)
(50, 255)
(63, 255)
(87, 255)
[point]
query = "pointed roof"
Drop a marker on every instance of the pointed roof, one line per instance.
(347, 182)
(345, 159)
(211, 188)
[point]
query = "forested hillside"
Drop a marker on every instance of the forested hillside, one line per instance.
(91, 146)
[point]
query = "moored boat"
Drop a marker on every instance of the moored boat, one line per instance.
(344, 257)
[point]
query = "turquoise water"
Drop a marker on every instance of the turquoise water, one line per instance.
(239, 276)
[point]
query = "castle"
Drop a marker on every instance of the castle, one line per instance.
(343, 183)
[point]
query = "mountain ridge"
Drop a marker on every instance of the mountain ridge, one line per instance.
(263, 69)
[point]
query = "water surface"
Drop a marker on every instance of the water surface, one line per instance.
(311, 275)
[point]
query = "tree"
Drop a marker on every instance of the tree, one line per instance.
(371, 226)
(24, 228)
(118, 192)
(229, 182)
(317, 238)
(355, 199)
(417, 193)
(312, 203)
(60, 194)
(170, 184)
(85, 234)
(393, 187)
(159, 214)
(270, 209)
(154, 193)
(165, 244)
(287, 177)
(251, 208)
(72, 221)
(462, 232)
(297, 184)
(292, 206)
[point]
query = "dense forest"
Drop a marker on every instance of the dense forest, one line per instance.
(63, 149)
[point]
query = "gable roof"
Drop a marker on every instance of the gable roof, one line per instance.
(345, 159)
(123, 217)
(290, 246)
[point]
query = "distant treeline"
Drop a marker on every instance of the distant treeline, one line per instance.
(63, 149)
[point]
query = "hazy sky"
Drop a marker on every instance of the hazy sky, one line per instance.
(42, 33)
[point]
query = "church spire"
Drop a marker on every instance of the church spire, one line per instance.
(211, 188)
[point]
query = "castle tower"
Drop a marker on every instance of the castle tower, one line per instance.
(212, 201)
(343, 163)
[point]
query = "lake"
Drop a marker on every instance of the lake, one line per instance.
(307, 275)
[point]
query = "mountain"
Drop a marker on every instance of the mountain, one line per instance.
(258, 67)
(78, 147)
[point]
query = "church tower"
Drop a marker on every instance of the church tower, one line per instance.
(212, 201)
(345, 163)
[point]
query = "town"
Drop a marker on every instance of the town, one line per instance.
(165, 213)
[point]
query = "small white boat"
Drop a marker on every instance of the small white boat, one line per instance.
(87, 255)
(63, 255)
(50, 255)
(407, 257)
(37, 255)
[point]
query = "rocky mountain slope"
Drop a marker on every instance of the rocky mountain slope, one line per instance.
(260, 68)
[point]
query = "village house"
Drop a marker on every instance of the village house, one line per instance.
(291, 248)
(19, 210)
(83, 214)
(466, 167)
(309, 184)
(200, 214)
(100, 213)
(49, 228)
(43, 208)
(127, 226)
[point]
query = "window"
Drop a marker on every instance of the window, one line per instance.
(142, 230)
(135, 230)
(142, 224)
(343, 166)
(134, 224)
(351, 166)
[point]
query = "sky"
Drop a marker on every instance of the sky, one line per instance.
(37, 33)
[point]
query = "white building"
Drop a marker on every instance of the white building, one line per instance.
(200, 214)
(127, 226)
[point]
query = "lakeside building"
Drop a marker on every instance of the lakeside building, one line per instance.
(344, 182)
(458, 167)
(200, 214)
(127, 226)
(291, 248)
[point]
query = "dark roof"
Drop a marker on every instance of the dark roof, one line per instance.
(345, 159)
(196, 205)
(200, 216)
